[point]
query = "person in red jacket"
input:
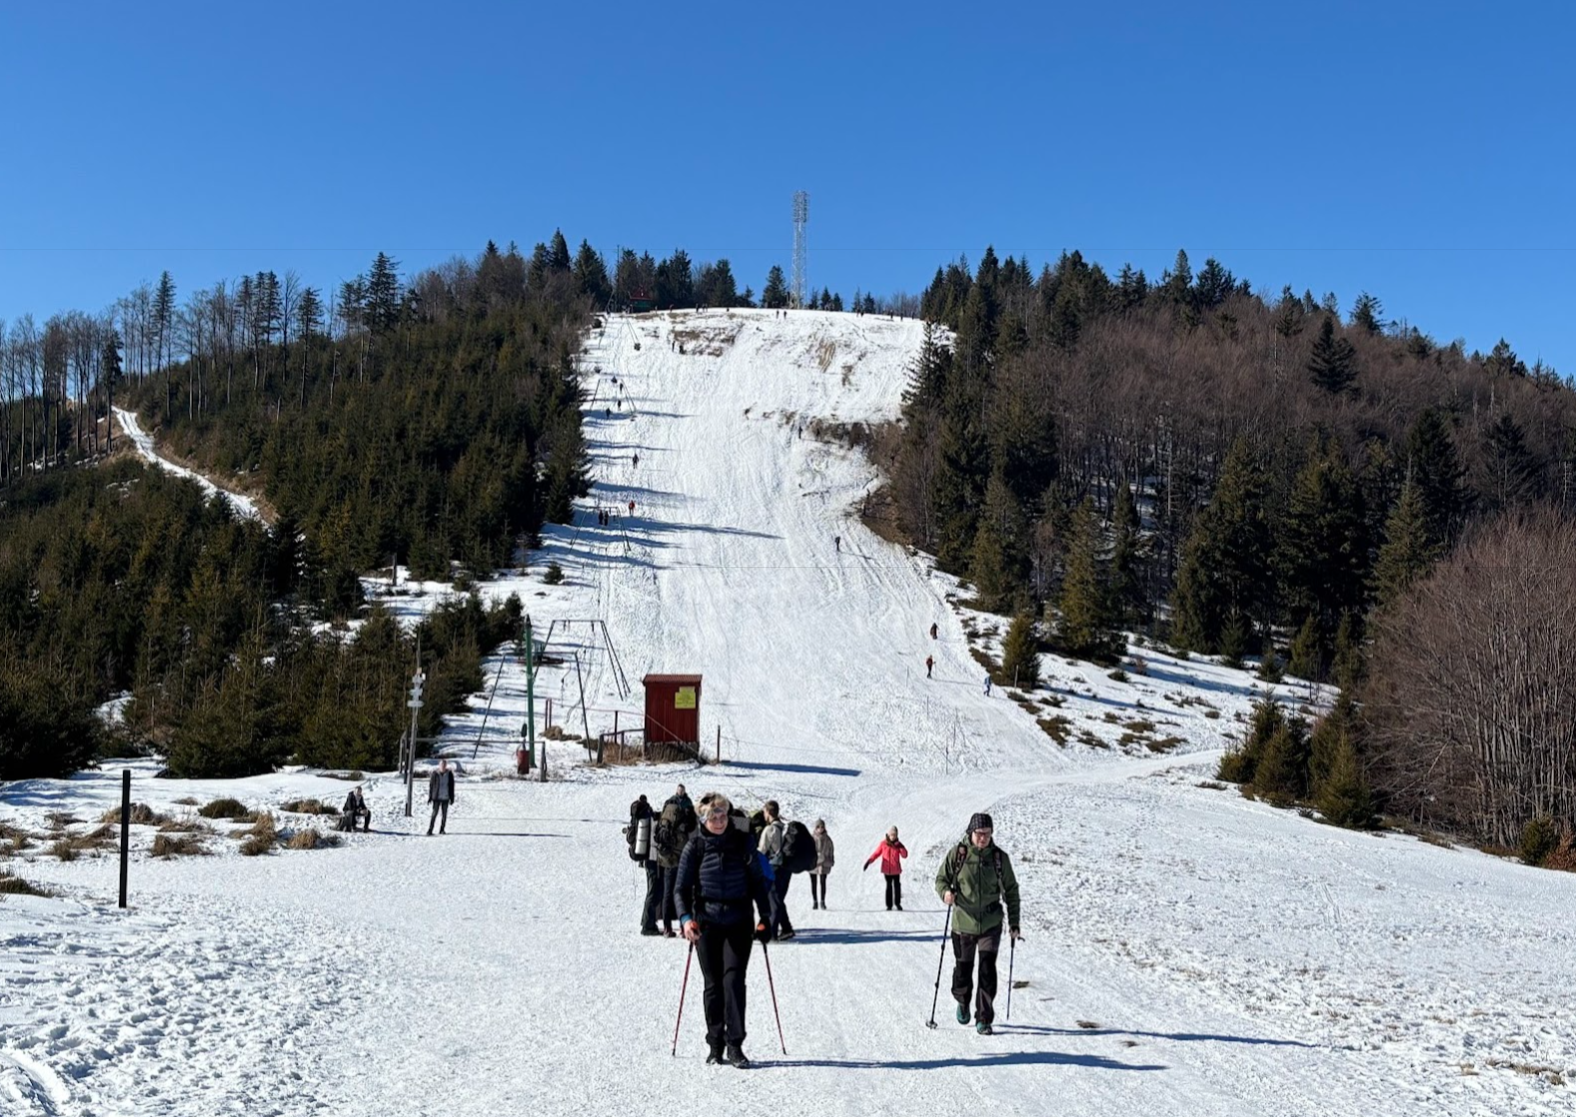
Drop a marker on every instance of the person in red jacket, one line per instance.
(891, 851)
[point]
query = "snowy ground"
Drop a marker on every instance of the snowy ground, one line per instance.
(1186, 951)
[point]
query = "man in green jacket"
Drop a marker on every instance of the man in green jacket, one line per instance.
(974, 879)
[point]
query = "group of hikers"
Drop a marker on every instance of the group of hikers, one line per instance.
(723, 876)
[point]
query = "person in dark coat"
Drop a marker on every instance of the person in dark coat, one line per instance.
(440, 793)
(356, 809)
(719, 879)
(669, 834)
(640, 811)
(974, 879)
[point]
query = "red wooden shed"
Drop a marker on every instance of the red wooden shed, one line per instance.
(672, 709)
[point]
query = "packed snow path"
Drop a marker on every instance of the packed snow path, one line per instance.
(1186, 951)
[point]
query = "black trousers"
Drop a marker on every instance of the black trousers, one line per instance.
(818, 888)
(724, 951)
(964, 949)
(894, 891)
(439, 806)
(670, 880)
(653, 901)
(783, 882)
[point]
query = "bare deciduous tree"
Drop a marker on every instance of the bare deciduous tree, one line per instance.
(1472, 698)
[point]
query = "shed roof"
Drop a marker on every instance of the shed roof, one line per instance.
(649, 679)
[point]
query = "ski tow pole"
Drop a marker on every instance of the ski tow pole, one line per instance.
(682, 989)
(770, 984)
(945, 927)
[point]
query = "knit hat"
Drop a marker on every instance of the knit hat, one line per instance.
(892, 832)
(979, 820)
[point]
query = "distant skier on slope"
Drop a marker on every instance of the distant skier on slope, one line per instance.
(719, 877)
(891, 852)
(974, 879)
(930, 662)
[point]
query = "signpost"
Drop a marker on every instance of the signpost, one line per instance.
(415, 705)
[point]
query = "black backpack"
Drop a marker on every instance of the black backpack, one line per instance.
(798, 848)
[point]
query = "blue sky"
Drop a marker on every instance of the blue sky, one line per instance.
(1422, 152)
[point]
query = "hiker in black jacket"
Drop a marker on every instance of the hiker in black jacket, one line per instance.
(356, 809)
(719, 878)
(669, 833)
(440, 793)
(646, 857)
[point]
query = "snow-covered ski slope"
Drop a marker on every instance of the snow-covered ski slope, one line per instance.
(1186, 952)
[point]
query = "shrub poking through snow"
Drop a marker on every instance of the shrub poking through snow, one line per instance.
(307, 806)
(16, 886)
(224, 808)
(1240, 764)
(177, 845)
(554, 574)
(305, 839)
(261, 837)
(1538, 839)
(141, 813)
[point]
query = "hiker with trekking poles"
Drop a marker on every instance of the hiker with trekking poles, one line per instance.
(719, 878)
(973, 880)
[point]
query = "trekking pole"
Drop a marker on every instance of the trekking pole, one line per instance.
(1012, 954)
(682, 989)
(770, 984)
(945, 927)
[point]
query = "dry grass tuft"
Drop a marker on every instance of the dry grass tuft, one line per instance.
(16, 886)
(307, 806)
(262, 837)
(141, 813)
(178, 845)
(224, 808)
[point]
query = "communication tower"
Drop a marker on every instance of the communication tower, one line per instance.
(801, 217)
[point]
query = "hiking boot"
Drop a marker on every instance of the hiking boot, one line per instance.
(984, 1028)
(714, 1055)
(668, 932)
(963, 1014)
(900, 907)
(650, 931)
(734, 1057)
(786, 934)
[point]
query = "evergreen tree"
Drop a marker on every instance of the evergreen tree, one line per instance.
(1289, 314)
(1409, 549)
(590, 275)
(1225, 576)
(1368, 314)
(1214, 285)
(775, 295)
(558, 253)
(1281, 775)
(1333, 363)
(1433, 466)
(1084, 629)
(997, 562)
(1323, 548)
(1240, 764)
(1512, 473)
(1128, 597)
(1348, 664)
(1020, 653)
(382, 294)
(1307, 651)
